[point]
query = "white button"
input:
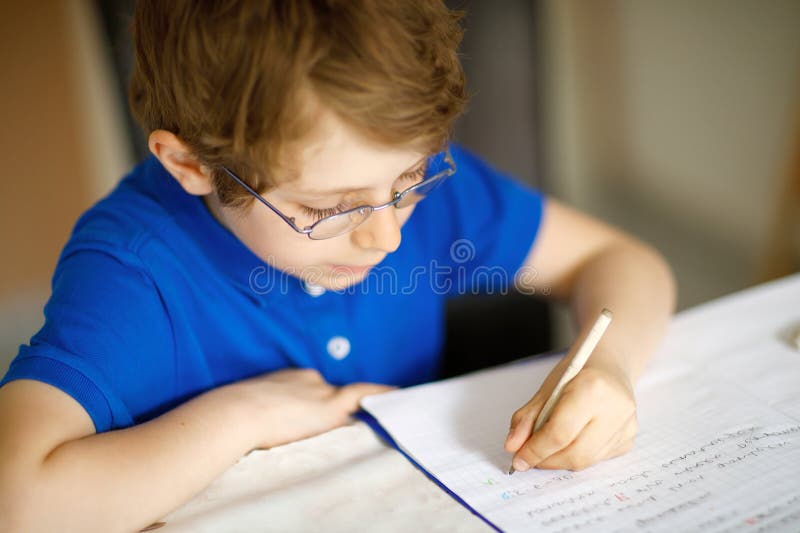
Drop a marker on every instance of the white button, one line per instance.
(313, 290)
(338, 347)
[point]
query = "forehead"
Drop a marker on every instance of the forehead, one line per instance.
(336, 157)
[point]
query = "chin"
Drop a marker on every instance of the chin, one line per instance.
(342, 281)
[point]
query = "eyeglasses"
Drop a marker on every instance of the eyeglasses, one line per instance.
(437, 168)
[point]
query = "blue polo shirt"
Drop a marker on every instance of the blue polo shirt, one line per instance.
(154, 302)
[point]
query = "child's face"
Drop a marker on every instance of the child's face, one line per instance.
(338, 169)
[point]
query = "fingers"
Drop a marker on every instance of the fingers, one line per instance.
(580, 453)
(622, 441)
(524, 418)
(349, 396)
(565, 424)
(295, 375)
(522, 422)
(592, 445)
(595, 419)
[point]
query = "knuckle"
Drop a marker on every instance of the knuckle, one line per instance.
(524, 454)
(576, 462)
(548, 464)
(594, 384)
(339, 407)
(577, 466)
(349, 400)
(622, 449)
(529, 454)
(345, 392)
(559, 438)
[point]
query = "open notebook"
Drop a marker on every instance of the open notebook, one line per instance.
(718, 447)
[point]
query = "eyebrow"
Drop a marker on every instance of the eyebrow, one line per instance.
(353, 189)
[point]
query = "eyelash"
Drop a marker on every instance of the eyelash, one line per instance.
(414, 174)
(319, 214)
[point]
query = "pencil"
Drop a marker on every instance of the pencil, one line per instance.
(585, 349)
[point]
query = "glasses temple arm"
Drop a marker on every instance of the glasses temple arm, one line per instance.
(288, 220)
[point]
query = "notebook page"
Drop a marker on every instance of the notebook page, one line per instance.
(712, 454)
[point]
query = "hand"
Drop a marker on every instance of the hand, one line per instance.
(294, 404)
(594, 420)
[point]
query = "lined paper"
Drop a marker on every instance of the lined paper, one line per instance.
(718, 447)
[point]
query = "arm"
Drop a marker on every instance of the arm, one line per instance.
(56, 474)
(593, 265)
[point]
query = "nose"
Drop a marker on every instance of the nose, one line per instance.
(381, 231)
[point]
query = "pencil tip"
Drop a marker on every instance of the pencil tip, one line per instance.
(511, 470)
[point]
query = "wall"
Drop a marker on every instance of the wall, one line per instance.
(676, 120)
(57, 158)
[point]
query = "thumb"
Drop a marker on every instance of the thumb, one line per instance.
(349, 396)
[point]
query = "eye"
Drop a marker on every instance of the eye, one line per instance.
(318, 214)
(415, 174)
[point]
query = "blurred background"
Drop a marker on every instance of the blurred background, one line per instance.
(678, 120)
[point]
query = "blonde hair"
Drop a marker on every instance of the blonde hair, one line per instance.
(237, 80)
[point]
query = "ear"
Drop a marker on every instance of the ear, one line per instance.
(176, 157)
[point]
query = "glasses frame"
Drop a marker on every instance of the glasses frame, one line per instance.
(307, 230)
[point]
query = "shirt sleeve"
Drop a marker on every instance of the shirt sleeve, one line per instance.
(106, 340)
(493, 221)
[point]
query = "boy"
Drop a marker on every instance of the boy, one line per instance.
(221, 298)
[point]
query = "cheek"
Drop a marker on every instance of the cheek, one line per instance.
(273, 240)
(259, 227)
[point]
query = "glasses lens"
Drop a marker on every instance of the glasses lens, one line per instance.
(437, 164)
(336, 225)
(414, 196)
(437, 168)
